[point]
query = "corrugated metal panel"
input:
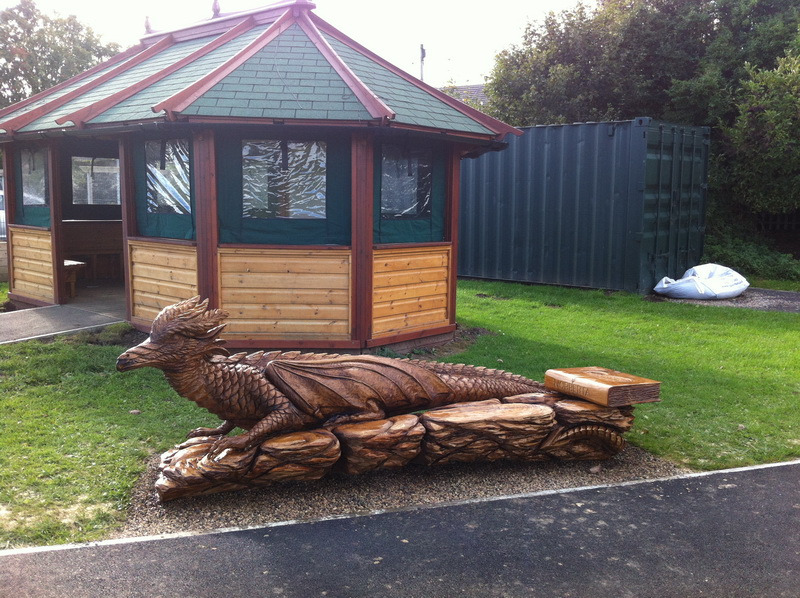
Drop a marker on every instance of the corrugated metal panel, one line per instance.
(613, 205)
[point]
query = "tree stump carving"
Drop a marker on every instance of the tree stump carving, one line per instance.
(288, 403)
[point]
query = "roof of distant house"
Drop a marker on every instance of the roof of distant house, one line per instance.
(471, 93)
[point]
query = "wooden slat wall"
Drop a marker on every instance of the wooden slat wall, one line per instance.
(410, 289)
(31, 264)
(285, 294)
(161, 274)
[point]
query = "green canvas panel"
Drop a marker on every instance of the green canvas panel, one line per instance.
(413, 105)
(28, 215)
(288, 78)
(416, 230)
(334, 229)
(168, 226)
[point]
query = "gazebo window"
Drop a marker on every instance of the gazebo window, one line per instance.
(409, 192)
(35, 186)
(406, 182)
(168, 177)
(164, 190)
(95, 181)
(284, 179)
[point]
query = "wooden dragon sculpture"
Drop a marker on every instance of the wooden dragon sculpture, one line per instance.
(276, 392)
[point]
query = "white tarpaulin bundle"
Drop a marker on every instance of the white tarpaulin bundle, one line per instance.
(707, 281)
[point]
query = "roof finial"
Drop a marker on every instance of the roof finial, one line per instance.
(147, 27)
(215, 9)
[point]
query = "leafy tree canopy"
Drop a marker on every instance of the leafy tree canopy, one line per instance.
(38, 51)
(678, 60)
(762, 149)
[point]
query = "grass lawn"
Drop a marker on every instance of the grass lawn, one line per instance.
(778, 285)
(730, 377)
(3, 293)
(73, 443)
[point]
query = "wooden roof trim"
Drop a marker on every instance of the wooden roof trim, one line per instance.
(499, 127)
(376, 107)
(178, 102)
(16, 123)
(124, 55)
(87, 113)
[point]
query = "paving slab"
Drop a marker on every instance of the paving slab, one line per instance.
(727, 534)
(43, 322)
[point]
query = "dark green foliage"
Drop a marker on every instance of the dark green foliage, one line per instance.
(38, 51)
(763, 150)
(676, 60)
(752, 258)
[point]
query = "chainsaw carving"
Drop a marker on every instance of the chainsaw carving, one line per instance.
(303, 413)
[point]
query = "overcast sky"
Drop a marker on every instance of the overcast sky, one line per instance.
(461, 38)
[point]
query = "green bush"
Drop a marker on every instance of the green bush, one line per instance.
(751, 257)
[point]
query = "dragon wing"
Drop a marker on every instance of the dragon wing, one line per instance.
(347, 384)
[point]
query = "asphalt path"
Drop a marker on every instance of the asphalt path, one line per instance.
(728, 534)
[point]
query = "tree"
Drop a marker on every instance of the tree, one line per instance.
(38, 51)
(678, 60)
(763, 144)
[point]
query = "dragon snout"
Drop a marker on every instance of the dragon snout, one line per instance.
(137, 357)
(127, 362)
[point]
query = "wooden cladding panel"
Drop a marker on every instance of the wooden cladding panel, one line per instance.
(31, 264)
(410, 289)
(285, 294)
(161, 274)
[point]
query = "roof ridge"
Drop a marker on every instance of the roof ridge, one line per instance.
(179, 101)
(500, 128)
(376, 107)
(87, 113)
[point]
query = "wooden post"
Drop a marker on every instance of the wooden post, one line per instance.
(10, 190)
(361, 241)
(127, 193)
(451, 225)
(205, 189)
(55, 179)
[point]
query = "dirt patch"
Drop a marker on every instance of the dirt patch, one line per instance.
(463, 339)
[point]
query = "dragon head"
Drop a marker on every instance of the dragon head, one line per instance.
(180, 333)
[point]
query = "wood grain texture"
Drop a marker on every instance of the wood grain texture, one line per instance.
(385, 443)
(485, 431)
(160, 276)
(31, 256)
(410, 289)
(186, 470)
(285, 294)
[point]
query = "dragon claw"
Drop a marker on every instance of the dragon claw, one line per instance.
(237, 443)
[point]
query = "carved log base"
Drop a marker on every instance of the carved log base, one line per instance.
(531, 427)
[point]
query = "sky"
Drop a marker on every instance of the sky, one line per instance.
(461, 38)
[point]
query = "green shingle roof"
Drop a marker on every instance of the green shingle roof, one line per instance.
(276, 63)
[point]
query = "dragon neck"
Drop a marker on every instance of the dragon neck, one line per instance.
(195, 380)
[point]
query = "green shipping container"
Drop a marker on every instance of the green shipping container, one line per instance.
(614, 205)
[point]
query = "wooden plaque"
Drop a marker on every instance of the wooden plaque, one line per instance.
(603, 386)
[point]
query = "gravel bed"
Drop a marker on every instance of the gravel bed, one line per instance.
(752, 298)
(414, 486)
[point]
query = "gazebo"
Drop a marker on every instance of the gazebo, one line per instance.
(262, 159)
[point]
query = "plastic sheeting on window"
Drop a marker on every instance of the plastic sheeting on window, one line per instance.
(95, 181)
(35, 188)
(406, 182)
(168, 180)
(284, 179)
